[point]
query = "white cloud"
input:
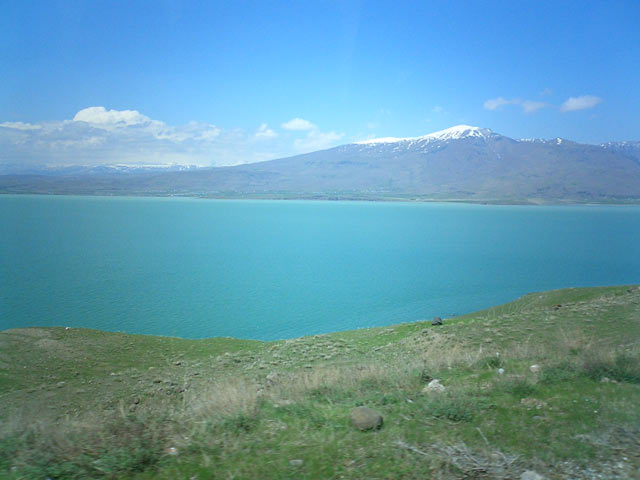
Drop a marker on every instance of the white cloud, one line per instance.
(20, 126)
(314, 139)
(496, 103)
(298, 124)
(580, 103)
(265, 133)
(111, 118)
(530, 106)
(317, 140)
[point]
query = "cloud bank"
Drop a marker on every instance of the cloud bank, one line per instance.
(99, 136)
(530, 106)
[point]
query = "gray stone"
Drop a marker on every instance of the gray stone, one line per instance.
(296, 462)
(364, 418)
(434, 386)
(436, 321)
(531, 475)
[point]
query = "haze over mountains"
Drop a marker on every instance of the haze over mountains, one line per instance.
(459, 163)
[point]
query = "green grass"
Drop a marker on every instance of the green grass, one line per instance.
(81, 403)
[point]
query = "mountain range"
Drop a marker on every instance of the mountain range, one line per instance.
(459, 163)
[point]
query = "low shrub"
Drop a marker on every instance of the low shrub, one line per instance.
(518, 386)
(559, 373)
(492, 362)
(622, 368)
(240, 423)
(456, 408)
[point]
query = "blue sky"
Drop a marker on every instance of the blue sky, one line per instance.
(232, 82)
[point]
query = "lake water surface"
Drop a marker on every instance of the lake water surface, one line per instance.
(279, 269)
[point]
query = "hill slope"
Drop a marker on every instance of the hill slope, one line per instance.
(86, 404)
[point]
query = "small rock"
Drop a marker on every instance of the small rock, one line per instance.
(177, 364)
(531, 475)
(434, 386)
(534, 368)
(296, 462)
(364, 418)
(500, 371)
(605, 380)
(172, 451)
(436, 321)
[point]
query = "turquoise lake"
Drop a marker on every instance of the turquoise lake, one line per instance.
(279, 269)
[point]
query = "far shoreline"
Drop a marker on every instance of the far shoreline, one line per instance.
(537, 202)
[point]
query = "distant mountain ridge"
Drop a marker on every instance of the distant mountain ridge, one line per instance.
(459, 163)
(65, 170)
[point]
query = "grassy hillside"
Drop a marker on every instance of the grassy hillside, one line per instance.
(79, 403)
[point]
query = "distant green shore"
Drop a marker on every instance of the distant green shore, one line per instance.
(548, 383)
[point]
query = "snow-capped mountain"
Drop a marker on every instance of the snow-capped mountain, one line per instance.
(462, 162)
(453, 133)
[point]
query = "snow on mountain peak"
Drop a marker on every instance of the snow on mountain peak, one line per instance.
(453, 133)
(460, 131)
(382, 140)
